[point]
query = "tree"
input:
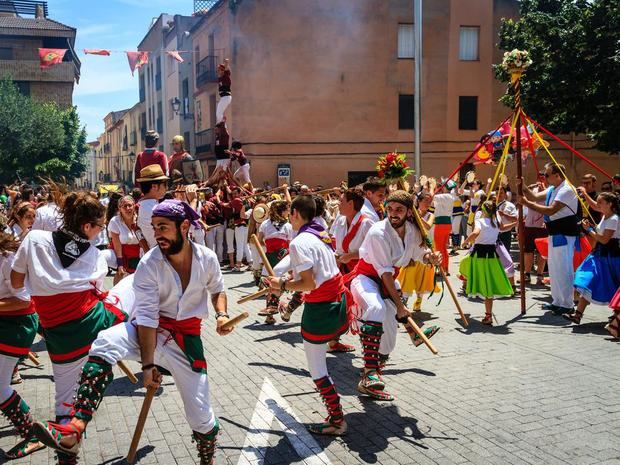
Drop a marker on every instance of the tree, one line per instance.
(572, 86)
(38, 139)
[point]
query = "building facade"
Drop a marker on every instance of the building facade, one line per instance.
(21, 36)
(322, 88)
(88, 180)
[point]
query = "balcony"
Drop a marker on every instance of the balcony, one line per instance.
(133, 138)
(205, 141)
(30, 70)
(206, 70)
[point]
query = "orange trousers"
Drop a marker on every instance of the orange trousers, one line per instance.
(441, 240)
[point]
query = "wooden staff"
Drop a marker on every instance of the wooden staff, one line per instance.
(327, 191)
(263, 256)
(417, 330)
(144, 412)
(235, 321)
(256, 295)
(272, 191)
(441, 270)
(33, 358)
(125, 369)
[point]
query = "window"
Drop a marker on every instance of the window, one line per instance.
(6, 53)
(406, 109)
(406, 41)
(468, 48)
(142, 90)
(186, 136)
(468, 113)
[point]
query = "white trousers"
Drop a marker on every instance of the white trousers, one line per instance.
(121, 343)
(456, 224)
(257, 261)
(243, 173)
(215, 240)
(282, 267)
(222, 106)
(230, 240)
(7, 364)
(243, 249)
(367, 296)
(316, 356)
(561, 272)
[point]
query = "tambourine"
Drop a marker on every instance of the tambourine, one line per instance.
(423, 180)
(432, 184)
(470, 176)
(503, 180)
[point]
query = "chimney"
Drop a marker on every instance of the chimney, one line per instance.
(40, 13)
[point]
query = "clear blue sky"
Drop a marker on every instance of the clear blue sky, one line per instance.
(106, 83)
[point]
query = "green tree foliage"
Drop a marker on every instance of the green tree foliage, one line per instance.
(573, 84)
(38, 139)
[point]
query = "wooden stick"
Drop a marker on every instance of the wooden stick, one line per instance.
(452, 293)
(421, 334)
(424, 234)
(144, 412)
(235, 321)
(33, 358)
(254, 296)
(262, 254)
(125, 369)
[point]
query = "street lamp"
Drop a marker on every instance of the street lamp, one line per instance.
(176, 105)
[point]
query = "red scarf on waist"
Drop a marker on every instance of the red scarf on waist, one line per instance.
(275, 245)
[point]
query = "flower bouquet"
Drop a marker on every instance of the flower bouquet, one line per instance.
(393, 168)
(516, 62)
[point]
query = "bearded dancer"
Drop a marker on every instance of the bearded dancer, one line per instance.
(349, 230)
(316, 274)
(390, 244)
(171, 301)
(64, 273)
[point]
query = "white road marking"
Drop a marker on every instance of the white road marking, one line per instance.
(271, 405)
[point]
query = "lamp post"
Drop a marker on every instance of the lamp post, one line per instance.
(176, 105)
(417, 94)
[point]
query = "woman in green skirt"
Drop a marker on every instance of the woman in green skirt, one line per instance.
(482, 269)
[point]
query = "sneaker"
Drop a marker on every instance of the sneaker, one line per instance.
(562, 310)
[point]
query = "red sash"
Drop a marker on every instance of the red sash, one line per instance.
(330, 291)
(275, 245)
(23, 312)
(57, 309)
(179, 329)
(130, 251)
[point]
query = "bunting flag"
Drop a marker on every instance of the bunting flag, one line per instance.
(137, 60)
(51, 56)
(175, 54)
(97, 51)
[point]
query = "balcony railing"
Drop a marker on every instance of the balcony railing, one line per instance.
(205, 141)
(206, 70)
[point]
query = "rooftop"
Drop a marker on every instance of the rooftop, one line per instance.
(37, 24)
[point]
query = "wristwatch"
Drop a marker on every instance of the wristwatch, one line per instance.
(221, 314)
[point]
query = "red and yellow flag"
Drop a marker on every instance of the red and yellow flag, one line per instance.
(51, 56)
(137, 60)
(97, 51)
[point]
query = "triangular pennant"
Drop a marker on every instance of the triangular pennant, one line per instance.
(175, 54)
(97, 51)
(51, 56)
(137, 60)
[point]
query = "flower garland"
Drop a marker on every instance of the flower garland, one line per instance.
(393, 167)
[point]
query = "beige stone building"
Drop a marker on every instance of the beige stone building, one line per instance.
(24, 28)
(118, 146)
(324, 87)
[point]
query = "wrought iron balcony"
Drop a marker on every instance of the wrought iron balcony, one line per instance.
(206, 70)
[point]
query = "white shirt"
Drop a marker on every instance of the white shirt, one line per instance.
(158, 287)
(126, 235)
(443, 204)
(611, 223)
(269, 231)
(474, 196)
(15, 231)
(385, 250)
(145, 213)
(488, 233)
(48, 218)
(369, 211)
(45, 275)
(565, 195)
(308, 252)
(340, 231)
(6, 290)
(197, 234)
(533, 219)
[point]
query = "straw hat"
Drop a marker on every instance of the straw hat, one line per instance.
(152, 173)
(260, 212)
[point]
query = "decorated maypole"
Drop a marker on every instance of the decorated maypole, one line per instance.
(516, 62)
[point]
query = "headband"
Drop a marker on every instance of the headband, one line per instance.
(176, 210)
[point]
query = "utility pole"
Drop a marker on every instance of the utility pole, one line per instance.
(417, 94)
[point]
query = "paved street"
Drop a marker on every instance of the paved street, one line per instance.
(531, 390)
